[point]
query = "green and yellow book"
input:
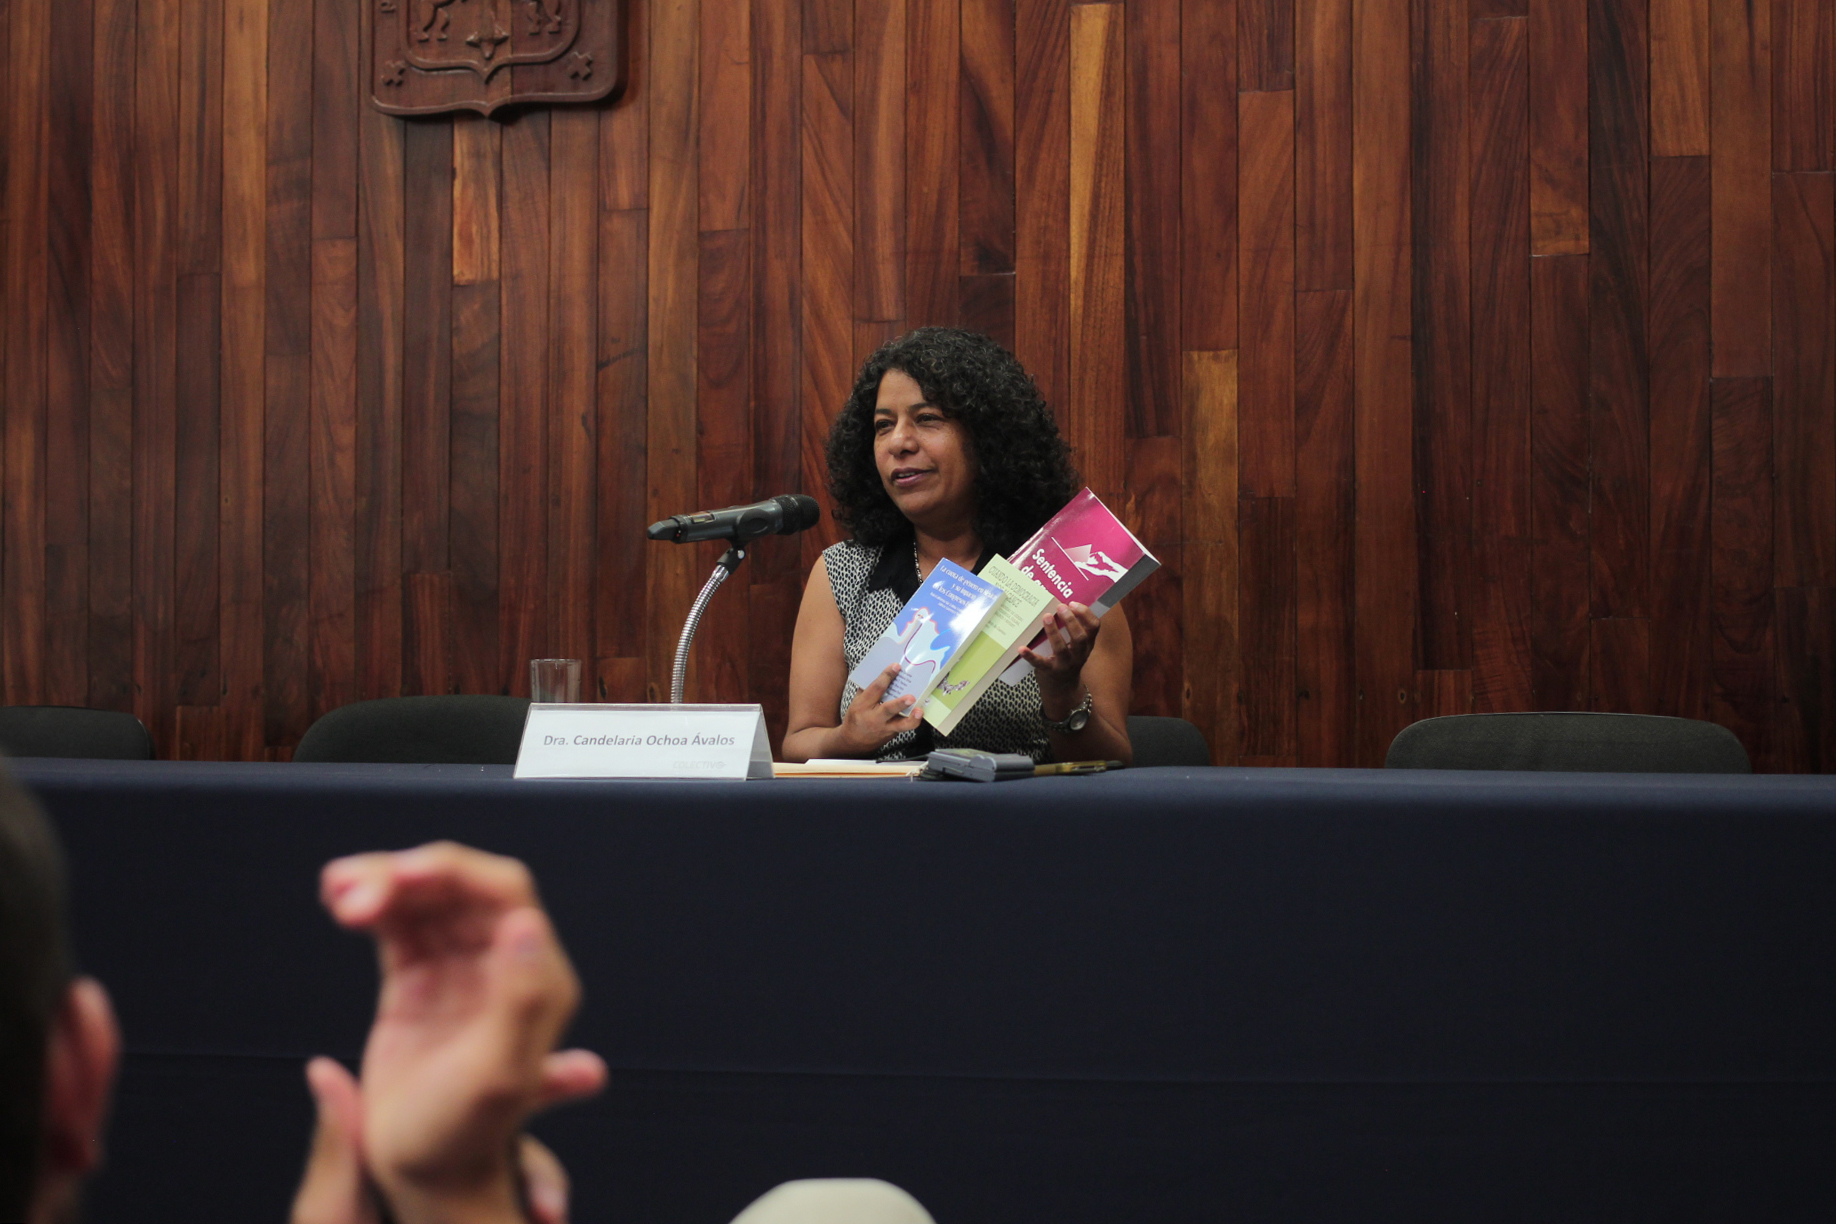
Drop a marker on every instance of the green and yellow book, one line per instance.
(1011, 626)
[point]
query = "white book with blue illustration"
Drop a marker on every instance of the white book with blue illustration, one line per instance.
(948, 610)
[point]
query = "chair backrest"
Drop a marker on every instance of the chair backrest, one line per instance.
(1578, 741)
(72, 731)
(455, 730)
(1166, 741)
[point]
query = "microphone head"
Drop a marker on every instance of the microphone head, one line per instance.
(800, 513)
(663, 529)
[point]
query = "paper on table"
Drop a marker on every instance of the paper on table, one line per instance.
(845, 768)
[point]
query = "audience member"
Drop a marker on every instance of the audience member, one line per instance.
(476, 992)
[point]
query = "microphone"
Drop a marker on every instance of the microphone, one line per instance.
(784, 515)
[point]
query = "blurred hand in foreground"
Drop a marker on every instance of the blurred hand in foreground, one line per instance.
(476, 991)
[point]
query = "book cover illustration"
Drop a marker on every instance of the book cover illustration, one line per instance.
(1015, 621)
(1082, 555)
(948, 610)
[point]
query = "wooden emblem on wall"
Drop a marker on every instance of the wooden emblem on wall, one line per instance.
(431, 56)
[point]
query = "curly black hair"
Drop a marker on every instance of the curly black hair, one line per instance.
(1023, 467)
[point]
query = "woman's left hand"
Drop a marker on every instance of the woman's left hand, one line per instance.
(1071, 630)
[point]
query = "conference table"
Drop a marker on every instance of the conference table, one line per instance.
(1159, 994)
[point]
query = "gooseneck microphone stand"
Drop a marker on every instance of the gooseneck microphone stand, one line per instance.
(785, 515)
(678, 674)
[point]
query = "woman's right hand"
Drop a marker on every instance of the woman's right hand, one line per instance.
(871, 722)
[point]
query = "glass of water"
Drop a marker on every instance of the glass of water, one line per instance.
(554, 680)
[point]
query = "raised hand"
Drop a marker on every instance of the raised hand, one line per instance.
(1071, 630)
(476, 991)
(337, 1188)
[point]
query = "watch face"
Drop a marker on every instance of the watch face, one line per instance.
(1078, 721)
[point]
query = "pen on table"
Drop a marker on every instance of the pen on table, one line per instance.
(1075, 767)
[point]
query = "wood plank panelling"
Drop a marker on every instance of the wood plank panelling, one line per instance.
(1154, 505)
(241, 424)
(985, 231)
(827, 205)
(1558, 126)
(1322, 140)
(775, 331)
(1444, 692)
(1741, 510)
(937, 97)
(333, 478)
(623, 350)
(196, 610)
(427, 345)
(1679, 640)
(1619, 297)
(1441, 328)
(1042, 186)
(1383, 382)
(1804, 90)
(524, 418)
(1265, 44)
(1265, 616)
(1092, 423)
(1324, 513)
(427, 402)
(286, 443)
(24, 215)
(1559, 482)
(111, 350)
(472, 428)
(381, 379)
(1499, 588)
(1451, 354)
(1620, 654)
(1208, 177)
(671, 578)
(1806, 652)
(573, 347)
(879, 161)
(155, 380)
(1804, 378)
(1209, 384)
(723, 453)
(1151, 153)
(1679, 78)
(67, 408)
(1740, 77)
(1265, 389)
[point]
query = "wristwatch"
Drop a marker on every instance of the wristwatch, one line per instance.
(1076, 720)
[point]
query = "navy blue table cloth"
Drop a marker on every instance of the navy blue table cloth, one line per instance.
(1155, 994)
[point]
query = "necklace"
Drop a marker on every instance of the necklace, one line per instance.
(915, 564)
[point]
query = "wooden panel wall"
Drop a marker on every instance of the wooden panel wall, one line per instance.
(1452, 354)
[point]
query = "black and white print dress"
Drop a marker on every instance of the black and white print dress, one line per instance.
(871, 585)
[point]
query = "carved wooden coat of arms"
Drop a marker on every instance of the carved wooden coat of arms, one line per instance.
(429, 56)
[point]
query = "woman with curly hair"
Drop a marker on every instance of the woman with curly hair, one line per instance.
(945, 449)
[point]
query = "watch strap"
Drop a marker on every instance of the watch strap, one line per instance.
(1063, 726)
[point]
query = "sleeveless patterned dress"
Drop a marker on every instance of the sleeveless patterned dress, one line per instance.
(871, 585)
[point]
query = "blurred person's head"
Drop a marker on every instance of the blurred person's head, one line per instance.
(58, 1041)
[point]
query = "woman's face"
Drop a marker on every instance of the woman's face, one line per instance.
(923, 456)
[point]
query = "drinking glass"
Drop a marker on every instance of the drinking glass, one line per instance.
(554, 680)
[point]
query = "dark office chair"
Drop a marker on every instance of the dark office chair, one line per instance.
(453, 730)
(1577, 741)
(72, 731)
(1166, 741)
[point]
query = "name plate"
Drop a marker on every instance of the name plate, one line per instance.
(644, 741)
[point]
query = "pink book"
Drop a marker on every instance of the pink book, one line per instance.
(1082, 555)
